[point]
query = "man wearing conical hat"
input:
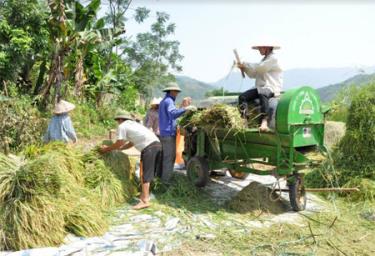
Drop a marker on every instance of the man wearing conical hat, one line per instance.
(60, 128)
(168, 114)
(131, 133)
(268, 81)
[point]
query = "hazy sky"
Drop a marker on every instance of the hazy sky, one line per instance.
(322, 34)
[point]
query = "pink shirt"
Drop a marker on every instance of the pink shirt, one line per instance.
(153, 121)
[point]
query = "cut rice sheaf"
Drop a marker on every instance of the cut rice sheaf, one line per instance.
(59, 191)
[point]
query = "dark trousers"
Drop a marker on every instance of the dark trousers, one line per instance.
(251, 95)
(169, 156)
(151, 158)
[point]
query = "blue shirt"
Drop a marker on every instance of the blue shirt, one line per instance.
(168, 113)
(60, 128)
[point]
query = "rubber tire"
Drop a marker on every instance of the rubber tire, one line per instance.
(295, 192)
(238, 175)
(201, 165)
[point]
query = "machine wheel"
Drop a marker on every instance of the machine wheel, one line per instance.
(238, 175)
(198, 171)
(297, 194)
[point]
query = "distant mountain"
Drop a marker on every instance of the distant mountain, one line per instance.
(193, 88)
(328, 93)
(190, 87)
(314, 77)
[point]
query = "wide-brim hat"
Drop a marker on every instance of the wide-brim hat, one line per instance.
(172, 86)
(123, 115)
(155, 101)
(63, 107)
(275, 47)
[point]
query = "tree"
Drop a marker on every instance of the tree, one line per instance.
(60, 47)
(152, 54)
(23, 41)
(75, 33)
(117, 10)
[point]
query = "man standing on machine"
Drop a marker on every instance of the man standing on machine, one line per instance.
(268, 81)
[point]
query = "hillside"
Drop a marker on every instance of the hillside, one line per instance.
(296, 77)
(234, 83)
(329, 92)
(190, 87)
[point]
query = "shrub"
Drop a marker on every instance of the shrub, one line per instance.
(354, 157)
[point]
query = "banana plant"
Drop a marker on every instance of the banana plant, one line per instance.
(76, 32)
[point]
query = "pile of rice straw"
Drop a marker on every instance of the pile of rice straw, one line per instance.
(256, 197)
(218, 116)
(56, 191)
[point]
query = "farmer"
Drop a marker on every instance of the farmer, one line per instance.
(268, 81)
(168, 114)
(131, 133)
(60, 128)
(152, 116)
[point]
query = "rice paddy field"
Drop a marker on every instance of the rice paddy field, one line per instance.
(61, 200)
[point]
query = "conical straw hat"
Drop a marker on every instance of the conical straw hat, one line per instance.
(155, 101)
(172, 86)
(266, 41)
(63, 107)
(124, 115)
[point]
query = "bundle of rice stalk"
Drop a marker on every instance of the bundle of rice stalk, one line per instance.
(52, 174)
(100, 179)
(36, 222)
(83, 211)
(123, 167)
(83, 216)
(30, 216)
(41, 200)
(71, 157)
(190, 119)
(220, 116)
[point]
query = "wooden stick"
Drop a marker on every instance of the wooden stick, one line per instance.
(238, 61)
(326, 190)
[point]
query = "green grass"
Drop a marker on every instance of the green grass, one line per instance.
(341, 229)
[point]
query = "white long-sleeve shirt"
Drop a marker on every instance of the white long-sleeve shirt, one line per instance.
(267, 74)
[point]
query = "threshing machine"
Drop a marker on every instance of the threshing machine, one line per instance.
(298, 134)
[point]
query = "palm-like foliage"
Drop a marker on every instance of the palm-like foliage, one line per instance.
(76, 31)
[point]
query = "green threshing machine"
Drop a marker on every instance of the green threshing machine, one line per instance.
(298, 134)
